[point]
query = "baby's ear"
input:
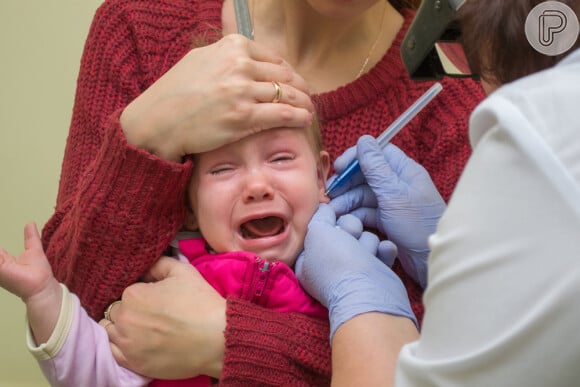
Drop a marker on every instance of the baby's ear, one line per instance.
(190, 222)
(323, 170)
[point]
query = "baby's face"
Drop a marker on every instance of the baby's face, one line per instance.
(258, 194)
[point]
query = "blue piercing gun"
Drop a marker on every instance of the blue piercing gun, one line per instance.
(387, 135)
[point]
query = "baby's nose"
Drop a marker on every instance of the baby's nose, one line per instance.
(258, 187)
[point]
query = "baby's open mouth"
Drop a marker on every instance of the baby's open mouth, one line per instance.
(263, 227)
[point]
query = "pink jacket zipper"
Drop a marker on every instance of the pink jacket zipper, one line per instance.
(260, 280)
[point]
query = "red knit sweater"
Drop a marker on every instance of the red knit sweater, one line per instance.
(116, 201)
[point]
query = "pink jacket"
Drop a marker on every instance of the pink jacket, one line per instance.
(247, 276)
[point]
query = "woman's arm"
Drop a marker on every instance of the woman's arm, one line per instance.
(117, 206)
(365, 349)
(271, 348)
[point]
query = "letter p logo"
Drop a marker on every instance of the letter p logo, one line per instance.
(551, 22)
(552, 28)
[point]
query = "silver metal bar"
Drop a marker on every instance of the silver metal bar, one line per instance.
(456, 4)
(243, 18)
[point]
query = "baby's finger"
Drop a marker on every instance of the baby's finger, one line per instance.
(12, 275)
(31, 237)
(6, 263)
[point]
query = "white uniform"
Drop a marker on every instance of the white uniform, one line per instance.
(503, 300)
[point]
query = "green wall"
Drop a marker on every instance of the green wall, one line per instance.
(41, 43)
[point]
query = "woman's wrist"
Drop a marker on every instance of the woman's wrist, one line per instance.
(378, 335)
(139, 130)
(216, 342)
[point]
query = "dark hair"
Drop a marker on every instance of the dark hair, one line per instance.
(494, 39)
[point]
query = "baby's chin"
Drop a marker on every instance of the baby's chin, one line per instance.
(283, 247)
(288, 258)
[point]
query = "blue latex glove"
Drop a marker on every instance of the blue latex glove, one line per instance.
(385, 250)
(395, 195)
(339, 270)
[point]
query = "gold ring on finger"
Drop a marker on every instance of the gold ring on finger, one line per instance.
(278, 92)
(109, 309)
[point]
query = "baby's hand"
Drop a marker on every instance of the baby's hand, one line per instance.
(30, 274)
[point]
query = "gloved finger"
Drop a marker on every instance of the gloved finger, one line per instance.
(340, 164)
(299, 265)
(344, 159)
(350, 224)
(324, 214)
(369, 241)
(375, 167)
(403, 166)
(387, 252)
(357, 197)
(367, 216)
(394, 172)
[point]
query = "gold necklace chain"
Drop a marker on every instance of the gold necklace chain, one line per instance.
(372, 49)
(366, 61)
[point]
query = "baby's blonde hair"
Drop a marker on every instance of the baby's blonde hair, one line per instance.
(314, 134)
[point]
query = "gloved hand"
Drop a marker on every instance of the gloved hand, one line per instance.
(338, 270)
(399, 199)
(385, 250)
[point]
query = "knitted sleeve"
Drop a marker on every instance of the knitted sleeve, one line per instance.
(117, 207)
(265, 347)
